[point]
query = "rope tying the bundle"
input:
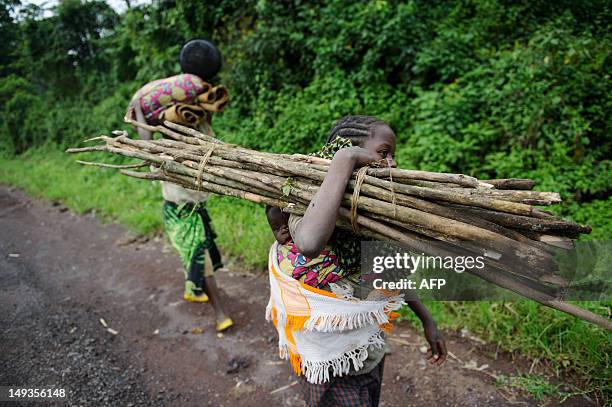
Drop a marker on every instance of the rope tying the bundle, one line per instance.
(361, 173)
(202, 165)
(391, 188)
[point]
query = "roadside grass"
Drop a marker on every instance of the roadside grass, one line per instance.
(535, 385)
(243, 231)
(564, 343)
(561, 342)
(49, 173)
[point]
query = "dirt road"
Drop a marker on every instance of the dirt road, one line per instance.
(61, 273)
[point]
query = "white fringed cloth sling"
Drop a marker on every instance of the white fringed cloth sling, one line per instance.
(322, 332)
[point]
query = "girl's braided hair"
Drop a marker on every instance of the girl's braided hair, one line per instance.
(355, 128)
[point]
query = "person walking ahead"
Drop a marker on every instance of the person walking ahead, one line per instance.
(189, 100)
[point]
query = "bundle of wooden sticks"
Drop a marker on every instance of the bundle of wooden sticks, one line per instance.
(433, 213)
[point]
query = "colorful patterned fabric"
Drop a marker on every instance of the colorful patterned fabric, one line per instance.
(190, 231)
(316, 272)
(346, 391)
(158, 95)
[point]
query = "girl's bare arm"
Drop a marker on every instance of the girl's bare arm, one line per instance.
(319, 220)
(437, 351)
(140, 118)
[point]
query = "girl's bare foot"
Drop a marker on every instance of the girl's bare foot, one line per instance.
(210, 287)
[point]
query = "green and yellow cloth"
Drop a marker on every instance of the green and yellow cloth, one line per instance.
(189, 228)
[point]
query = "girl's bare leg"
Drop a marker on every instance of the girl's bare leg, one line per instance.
(211, 289)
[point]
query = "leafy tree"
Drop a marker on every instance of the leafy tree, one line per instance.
(9, 32)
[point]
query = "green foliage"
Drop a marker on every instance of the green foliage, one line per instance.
(536, 111)
(9, 32)
(59, 51)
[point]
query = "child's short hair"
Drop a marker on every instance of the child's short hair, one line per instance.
(274, 211)
(355, 128)
(200, 57)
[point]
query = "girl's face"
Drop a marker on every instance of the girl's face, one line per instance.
(382, 144)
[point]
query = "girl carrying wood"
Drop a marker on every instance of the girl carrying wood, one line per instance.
(335, 341)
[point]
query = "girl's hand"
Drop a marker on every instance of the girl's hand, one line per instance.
(437, 351)
(357, 155)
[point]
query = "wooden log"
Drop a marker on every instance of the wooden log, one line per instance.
(193, 132)
(441, 226)
(539, 225)
(498, 279)
(179, 169)
(303, 169)
(322, 164)
(451, 197)
(557, 241)
(420, 178)
(219, 189)
(262, 164)
(306, 192)
(114, 166)
(228, 173)
(90, 149)
(400, 174)
(442, 248)
(447, 229)
(397, 173)
(511, 183)
(189, 152)
(436, 209)
(526, 197)
(513, 265)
